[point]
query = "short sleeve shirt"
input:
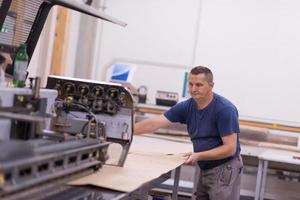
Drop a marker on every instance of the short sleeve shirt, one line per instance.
(207, 126)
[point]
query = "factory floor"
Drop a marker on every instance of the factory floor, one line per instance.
(242, 198)
(189, 198)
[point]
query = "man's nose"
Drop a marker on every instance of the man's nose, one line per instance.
(193, 88)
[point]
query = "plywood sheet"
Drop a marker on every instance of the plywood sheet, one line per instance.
(155, 145)
(140, 168)
(148, 145)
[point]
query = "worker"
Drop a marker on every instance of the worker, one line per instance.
(5, 60)
(213, 126)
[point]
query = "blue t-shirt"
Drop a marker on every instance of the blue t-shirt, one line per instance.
(207, 126)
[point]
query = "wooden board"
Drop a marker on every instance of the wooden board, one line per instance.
(59, 55)
(139, 169)
(156, 145)
(148, 159)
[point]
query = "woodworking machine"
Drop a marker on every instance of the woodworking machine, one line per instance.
(51, 136)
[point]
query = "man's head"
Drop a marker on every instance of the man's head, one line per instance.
(201, 82)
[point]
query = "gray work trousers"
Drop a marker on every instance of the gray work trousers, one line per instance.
(221, 182)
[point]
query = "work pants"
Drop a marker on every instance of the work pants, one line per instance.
(221, 182)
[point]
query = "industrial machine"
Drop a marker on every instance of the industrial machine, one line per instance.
(110, 105)
(51, 136)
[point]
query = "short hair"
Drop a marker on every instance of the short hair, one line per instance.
(203, 70)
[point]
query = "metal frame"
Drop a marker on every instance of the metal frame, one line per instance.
(258, 179)
(57, 189)
(37, 28)
(30, 171)
(196, 180)
(3, 10)
(262, 178)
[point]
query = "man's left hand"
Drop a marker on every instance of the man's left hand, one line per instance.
(191, 158)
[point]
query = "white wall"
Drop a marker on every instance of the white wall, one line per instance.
(157, 31)
(252, 46)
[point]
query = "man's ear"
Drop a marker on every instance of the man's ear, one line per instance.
(212, 84)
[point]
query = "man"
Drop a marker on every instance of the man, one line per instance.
(5, 60)
(212, 124)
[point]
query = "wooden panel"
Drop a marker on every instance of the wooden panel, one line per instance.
(17, 7)
(145, 162)
(59, 55)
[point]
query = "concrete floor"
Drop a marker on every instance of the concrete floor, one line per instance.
(242, 198)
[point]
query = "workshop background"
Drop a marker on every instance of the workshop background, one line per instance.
(251, 46)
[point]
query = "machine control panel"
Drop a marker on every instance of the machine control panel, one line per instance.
(96, 96)
(109, 105)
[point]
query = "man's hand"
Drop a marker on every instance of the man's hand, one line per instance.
(191, 158)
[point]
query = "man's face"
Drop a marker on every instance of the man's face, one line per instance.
(199, 88)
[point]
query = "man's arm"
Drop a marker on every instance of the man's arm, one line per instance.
(151, 124)
(224, 151)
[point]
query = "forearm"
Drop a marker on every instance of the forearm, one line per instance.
(151, 124)
(145, 126)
